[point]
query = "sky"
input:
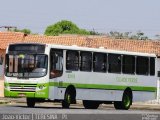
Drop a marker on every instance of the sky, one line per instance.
(101, 15)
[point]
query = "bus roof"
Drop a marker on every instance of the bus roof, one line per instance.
(101, 49)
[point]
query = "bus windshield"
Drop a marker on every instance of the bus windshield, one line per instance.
(26, 65)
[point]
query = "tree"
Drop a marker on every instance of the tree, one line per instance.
(93, 32)
(119, 35)
(26, 31)
(139, 36)
(65, 27)
(128, 35)
(157, 36)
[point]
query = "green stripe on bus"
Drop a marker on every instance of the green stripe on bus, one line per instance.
(100, 86)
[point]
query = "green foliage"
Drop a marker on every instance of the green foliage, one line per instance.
(26, 31)
(93, 32)
(128, 35)
(139, 36)
(157, 36)
(65, 27)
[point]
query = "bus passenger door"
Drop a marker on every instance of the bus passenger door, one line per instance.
(56, 71)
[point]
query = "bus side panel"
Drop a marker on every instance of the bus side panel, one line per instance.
(105, 87)
(56, 93)
(101, 95)
(143, 96)
(52, 92)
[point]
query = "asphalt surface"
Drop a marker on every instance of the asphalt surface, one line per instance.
(53, 111)
(16, 109)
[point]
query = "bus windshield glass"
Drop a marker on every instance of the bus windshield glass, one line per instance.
(26, 65)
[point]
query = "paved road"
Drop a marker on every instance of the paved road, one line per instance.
(52, 112)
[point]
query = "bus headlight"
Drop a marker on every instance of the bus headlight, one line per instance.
(41, 87)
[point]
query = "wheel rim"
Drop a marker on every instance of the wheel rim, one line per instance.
(68, 98)
(127, 101)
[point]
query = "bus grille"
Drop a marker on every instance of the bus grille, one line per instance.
(22, 87)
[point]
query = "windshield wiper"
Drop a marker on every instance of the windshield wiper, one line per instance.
(23, 76)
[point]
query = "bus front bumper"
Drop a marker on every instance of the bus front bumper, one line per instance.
(38, 94)
(40, 91)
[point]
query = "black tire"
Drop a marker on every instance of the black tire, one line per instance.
(117, 105)
(31, 102)
(125, 103)
(90, 104)
(67, 100)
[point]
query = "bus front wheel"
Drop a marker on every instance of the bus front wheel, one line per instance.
(125, 103)
(90, 104)
(67, 100)
(31, 102)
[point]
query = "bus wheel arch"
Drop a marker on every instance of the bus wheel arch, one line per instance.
(69, 96)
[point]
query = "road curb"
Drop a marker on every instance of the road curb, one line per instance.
(138, 105)
(12, 100)
(3, 102)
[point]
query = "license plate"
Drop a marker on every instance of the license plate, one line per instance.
(21, 95)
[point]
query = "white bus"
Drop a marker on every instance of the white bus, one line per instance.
(44, 72)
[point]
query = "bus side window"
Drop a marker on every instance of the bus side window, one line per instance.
(114, 63)
(99, 62)
(86, 61)
(142, 65)
(152, 66)
(56, 63)
(128, 64)
(72, 60)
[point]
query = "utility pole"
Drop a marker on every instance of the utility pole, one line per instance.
(8, 27)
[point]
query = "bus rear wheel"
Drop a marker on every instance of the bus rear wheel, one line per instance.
(125, 103)
(31, 102)
(90, 104)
